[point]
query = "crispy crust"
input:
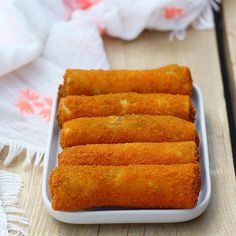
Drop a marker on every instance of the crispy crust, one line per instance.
(71, 107)
(138, 186)
(130, 153)
(197, 140)
(197, 154)
(60, 92)
(123, 129)
(192, 112)
(171, 79)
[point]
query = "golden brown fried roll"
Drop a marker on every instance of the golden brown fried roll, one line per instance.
(172, 79)
(125, 129)
(72, 107)
(139, 186)
(130, 153)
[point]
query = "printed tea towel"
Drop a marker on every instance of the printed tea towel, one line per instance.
(41, 38)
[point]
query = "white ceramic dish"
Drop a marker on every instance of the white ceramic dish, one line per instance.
(124, 215)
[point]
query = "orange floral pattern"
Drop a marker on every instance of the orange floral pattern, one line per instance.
(24, 107)
(83, 4)
(29, 95)
(173, 12)
(31, 103)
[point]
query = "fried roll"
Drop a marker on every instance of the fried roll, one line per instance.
(130, 153)
(125, 129)
(76, 188)
(72, 107)
(172, 79)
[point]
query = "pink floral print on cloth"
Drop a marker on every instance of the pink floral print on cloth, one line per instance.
(173, 12)
(82, 4)
(31, 103)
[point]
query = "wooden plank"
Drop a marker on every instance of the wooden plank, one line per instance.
(152, 49)
(229, 39)
(114, 229)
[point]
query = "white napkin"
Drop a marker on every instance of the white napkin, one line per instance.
(27, 93)
(10, 214)
(126, 19)
(41, 38)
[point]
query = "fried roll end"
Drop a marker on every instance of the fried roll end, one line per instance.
(130, 153)
(76, 188)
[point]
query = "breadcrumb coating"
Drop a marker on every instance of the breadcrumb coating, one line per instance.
(171, 79)
(71, 107)
(130, 153)
(76, 188)
(125, 129)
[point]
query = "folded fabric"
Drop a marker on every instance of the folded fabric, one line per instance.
(122, 21)
(27, 93)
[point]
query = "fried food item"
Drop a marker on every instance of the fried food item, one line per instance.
(76, 188)
(125, 129)
(71, 107)
(172, 79)
(123, 154)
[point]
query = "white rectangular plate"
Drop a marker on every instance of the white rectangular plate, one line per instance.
(124, 215)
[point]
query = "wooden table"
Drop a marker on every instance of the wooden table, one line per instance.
(152, 49)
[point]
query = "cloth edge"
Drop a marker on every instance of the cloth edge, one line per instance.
(33, 153)
(10, 188)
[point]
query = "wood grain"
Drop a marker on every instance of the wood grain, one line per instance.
(229, 39)
(152, 49)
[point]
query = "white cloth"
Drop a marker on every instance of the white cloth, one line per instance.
(26, 94)
(126, 19)
(10, 214)
(41, 38)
